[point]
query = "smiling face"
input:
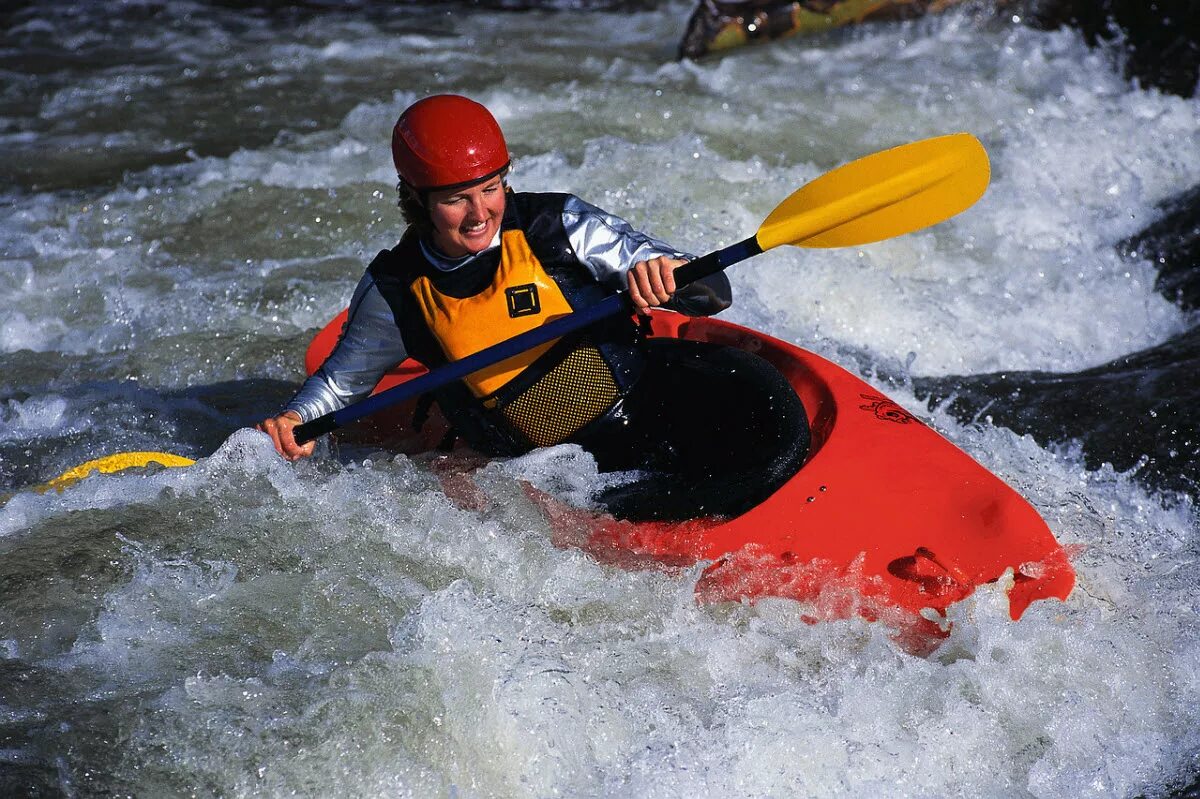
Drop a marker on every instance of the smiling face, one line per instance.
(466, 220)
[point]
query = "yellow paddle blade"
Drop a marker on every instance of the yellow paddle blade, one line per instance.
(882, 195)
(110, 464)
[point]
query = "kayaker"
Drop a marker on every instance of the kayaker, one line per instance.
(712, 429)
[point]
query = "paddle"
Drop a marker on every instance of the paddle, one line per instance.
(876, 197)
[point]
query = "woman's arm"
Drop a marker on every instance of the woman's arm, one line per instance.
(624, 258)
(370, 344)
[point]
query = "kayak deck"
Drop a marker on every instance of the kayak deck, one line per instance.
(884, 505)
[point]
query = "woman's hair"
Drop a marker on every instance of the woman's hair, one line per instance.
(413, 209)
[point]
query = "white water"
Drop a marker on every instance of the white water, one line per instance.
(253, 628)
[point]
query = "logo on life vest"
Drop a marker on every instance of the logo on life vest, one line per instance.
(523, 300)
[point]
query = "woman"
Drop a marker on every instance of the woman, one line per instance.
(716, 429)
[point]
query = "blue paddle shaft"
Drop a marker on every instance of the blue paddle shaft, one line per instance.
(611, 306)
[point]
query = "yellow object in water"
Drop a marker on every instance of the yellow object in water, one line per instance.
(718, 25)
(112, 463)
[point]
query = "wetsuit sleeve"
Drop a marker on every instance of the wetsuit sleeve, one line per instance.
(370, 345)
(609, 247)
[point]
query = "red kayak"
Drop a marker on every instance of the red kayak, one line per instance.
(887, 519)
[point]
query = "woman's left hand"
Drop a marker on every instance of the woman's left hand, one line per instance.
(651, 283)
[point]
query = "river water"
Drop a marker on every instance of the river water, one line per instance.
(191, 191)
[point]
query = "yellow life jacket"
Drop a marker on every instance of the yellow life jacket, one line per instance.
(521, 297)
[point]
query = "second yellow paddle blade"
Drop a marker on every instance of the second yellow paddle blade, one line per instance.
(110, 464)
(882, 195)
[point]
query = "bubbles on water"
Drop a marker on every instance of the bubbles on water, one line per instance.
(566, 472)
(34, 416)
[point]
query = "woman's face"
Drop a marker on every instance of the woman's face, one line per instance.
(466, 220)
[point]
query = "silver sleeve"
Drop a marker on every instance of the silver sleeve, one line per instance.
(609, 246)
(370, 344)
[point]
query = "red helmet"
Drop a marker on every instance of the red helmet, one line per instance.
(447, 141)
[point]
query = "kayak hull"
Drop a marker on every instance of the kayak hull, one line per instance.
(884, 506)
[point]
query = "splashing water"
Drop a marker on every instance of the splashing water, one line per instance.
(193, 190)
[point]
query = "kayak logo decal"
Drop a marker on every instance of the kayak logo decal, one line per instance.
(523, 300)
(885, 409)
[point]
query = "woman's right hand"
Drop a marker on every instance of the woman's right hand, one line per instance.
(651, 283)
(279, 428)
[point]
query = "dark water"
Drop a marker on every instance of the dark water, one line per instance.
(1136, 413)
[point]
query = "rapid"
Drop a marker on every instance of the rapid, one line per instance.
(190, 191)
